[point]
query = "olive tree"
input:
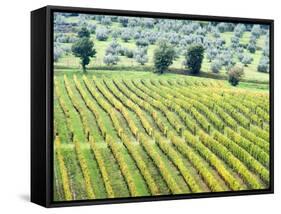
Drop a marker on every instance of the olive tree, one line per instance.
(126, 35)
(235, 41)
(251, 47)
(84, 48)
(58, 52)
(216, 66)
(102, 34)
(194, 57)
(142, 41)
(148, 22)
(59, 19)
(129, 53)
(222, 27)
(123, 21)
(140, 55)
(239, 30)
(110, 59)
(164, 55)
(263, 64)
(246, 60)
(256, 31)
(211, 53)
(105, 21)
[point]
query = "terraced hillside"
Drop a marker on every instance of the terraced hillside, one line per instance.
(120, 137)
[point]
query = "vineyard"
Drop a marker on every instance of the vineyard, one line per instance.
(120, 137)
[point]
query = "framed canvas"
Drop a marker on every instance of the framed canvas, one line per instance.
(130, 106)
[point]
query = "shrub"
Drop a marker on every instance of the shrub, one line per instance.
(126, 35)
(133, 22)
(148, 22)
(216, 33)
(212, 53)
(141, 55)
(263, 64)
(226, 58)
(121, 50)
(72, 39)
(152, 37)
(194, 57)
(92, 27)
(174, 38)
(235, 74)
(129, 53)
(240, 56)
(195, 26)
(240, 50)
(105, 21)
(142, 41)
(186, 40)
(222, 27)
(216, 66)
(136, 35)
(59, 19)
(256, 30)
(123, 21)
(66, 49)
(110, 59)
(253, 39)
(201, 31)
(83, 32)
(198, 39)
(58, 52)
(61, 38)
(239, 30)
(164, 55)
(115, 34)
(265, 50)
(247, 60)
(230, 26)
(64, 38)
(186, 29)
(112, 48)
(219, 42)
(251, 47)
(235, 41)
(102, 34)
(114, 44)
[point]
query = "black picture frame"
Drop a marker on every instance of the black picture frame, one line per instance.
(42, 105)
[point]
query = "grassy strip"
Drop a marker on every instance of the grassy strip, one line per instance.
(105, 175)
(85, 170)
(63, 171)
